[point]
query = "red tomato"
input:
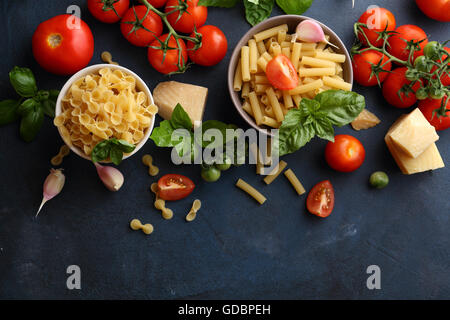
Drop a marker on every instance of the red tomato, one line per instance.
(108, 11)
(194, 17)
(214, 47)
(445, 78)
(63, 44)
(345, 154)
(362, 67)
(428, 106)
(376, 20)
(173, 187)
(391, 86)
(171, 62)
(157, 3)
(281, 73)
(320, 201)
(140, 28)
(397, 44)
(435, 9)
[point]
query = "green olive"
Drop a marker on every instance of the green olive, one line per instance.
(210, 174)
(379, 180)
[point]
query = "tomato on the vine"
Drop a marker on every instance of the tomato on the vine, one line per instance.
(435, 9)
(174, 59)
(213, 47)
(157, 3)
(407, 33)
(173, 187)
(194, 16)
(395, 82)
(377, 20)
(60, 48)
(345, 154)
(445, 78)
(362, 67)
(428, 108)
(281, 73)
(108, 11)
(141, 26)
(320, 201)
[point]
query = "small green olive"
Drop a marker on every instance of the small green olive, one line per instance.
(379, 180)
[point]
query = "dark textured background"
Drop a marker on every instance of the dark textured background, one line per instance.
(235, 248)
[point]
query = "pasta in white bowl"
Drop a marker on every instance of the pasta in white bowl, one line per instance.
(101, 102)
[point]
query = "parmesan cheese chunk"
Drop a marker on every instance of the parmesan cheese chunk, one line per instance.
(430, 159)
(192, 98)
(365, 120)
(414, 134)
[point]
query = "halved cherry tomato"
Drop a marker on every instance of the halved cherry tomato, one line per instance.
(213, 49)
(345, 154)
(108, 11)
(428, 106)
(63, 44)
(194, 17)
(281, 73)
(376, 19)
(391, 86)
(173, 187)
(139, 27)
(320, 201)
(407, 33)
(170, 61)
(435, 9)
(362, 67)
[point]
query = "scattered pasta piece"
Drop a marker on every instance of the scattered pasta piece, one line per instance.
(193, 213)
(167, 213)
(275, 172)
(136, 224)
(107, 57)
(290, 175)
(148, 161)
(241, 184)
(58, 159)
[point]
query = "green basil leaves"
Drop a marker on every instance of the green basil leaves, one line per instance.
(22, 80)
(112, 149)
(257, 11)
(294, 6)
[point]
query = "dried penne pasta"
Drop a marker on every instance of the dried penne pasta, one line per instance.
(316, 72)
(241, 184)
(307, 87)
(245, 90)
(237, 83)
(330, 56)
(287, 100)
(253, 56)
(261, 79)
(266, 34)
(256, 108)
(318, 63)
(295, 55)
(247, 107)
(337, 84)
(286, 52)
(290, 175)
(261, 47)
(273, 100)
(245, 63)
(271, 122)
(281, 35)
(275, 172)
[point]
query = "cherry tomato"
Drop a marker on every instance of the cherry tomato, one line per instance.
(391, 86)
(213, 49)
(362, 67)
(139, 27)
(194, 17)
(320, 201)
(173, 187)
(435, 9)
(428, 106)
(171, 61)
(397, 43)
(61, 48)
(108, 11)
(345, 154)
(445, 78)
(157, 3)
(281, 73)
(377, 20)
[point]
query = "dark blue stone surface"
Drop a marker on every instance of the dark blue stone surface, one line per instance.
(235, 248)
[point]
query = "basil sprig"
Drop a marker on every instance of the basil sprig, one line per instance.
(32, 105)
(316, 117)
(112, 149)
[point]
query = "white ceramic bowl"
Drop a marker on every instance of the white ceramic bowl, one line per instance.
(140, 84)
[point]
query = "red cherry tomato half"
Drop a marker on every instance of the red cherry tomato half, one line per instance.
(281, 73)
(173, 187)
(376, 19)
(398, 45)
(362, 67)
(63, 44)
(320, 201)
(171, 61)
(139, 27)
(194, 17)
(345, 154)
(213, 49)
(108, 11)
(435, 9)
(428, 106)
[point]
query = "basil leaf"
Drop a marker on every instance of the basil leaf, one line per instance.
(255, 13)
(48, 106)
(162, 135)
(323, 128)
(293, 134)
(180, 119)
(22, 79)
(8, 111)
(31, 123)
(218, 3)
(116, 155)
(341, 107)
(27, 106)
(101, 151)
(125, 146)
(213, 124)
(294, 6)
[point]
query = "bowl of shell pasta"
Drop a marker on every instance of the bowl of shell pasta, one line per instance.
(101, 102)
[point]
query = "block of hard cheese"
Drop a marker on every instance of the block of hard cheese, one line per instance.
(192, 98)
(414, 134)
(430, 159)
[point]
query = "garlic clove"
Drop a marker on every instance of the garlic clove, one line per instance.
(111, 177)
(53, 185)
(311, 31)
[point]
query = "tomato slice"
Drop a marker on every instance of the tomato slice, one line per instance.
(281, 73)
(320, 201)
(174, 187)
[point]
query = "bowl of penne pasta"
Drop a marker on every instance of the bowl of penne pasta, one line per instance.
(320, 66)
(102, 102)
